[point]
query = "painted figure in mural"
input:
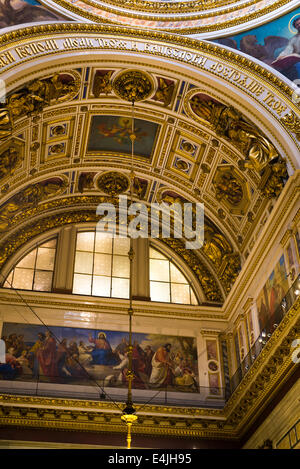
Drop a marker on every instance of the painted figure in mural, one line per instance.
(276, 293)
(148, 360)
(61, 359)
(121, 131)
(164, 91)
(277, 43)
(138, 366)
(102, 353)
(122, 347)
(46, 356)
(262, 314)
(24, 363)
(85, 357)
(102, 83)
(162, 374)
(290, 55)
(11, 368)
(18, 11)
(34, 354)
(187, 379)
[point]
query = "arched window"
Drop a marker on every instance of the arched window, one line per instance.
(35, 270)
(93, 264)
(167, 282)
(102, 266)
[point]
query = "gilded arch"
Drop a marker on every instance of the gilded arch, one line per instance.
(178, 66)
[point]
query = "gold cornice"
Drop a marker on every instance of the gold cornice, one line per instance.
(287, 235)
(19, 35)
(40, 300)
(10, 400)
(176, 6)
(248, 303)
(210, 332)
(296, 218)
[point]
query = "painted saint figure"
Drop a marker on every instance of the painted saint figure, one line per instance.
(46, 355)
(162, 374)
(102, 353)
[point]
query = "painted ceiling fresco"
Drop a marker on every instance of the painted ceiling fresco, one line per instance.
(13, 12)
(112, 134)
(276, 44)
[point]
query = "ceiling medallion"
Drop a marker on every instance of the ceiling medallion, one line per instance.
(133, 85)
(113, 183)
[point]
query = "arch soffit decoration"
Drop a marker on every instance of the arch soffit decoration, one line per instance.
(204, 19)
(208, 60)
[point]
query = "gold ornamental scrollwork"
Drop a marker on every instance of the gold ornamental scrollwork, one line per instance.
(292, 122)
(229, 123)
(37, 94)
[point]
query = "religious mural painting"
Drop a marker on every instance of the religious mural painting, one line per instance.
(14, 12)
(112, 134)
(290, 256)
(270, 297)
(66, 355)
(276, 43)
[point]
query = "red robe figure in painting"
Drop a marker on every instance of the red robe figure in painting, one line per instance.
(162, 374)
(138, 366)
(47, 356)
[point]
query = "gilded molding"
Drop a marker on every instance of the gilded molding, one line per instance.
(176, 6)
(22, 34)
(97, 18)
(287, 235)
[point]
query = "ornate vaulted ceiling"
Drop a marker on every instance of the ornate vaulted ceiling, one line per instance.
(187, 17)
(64, 131)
